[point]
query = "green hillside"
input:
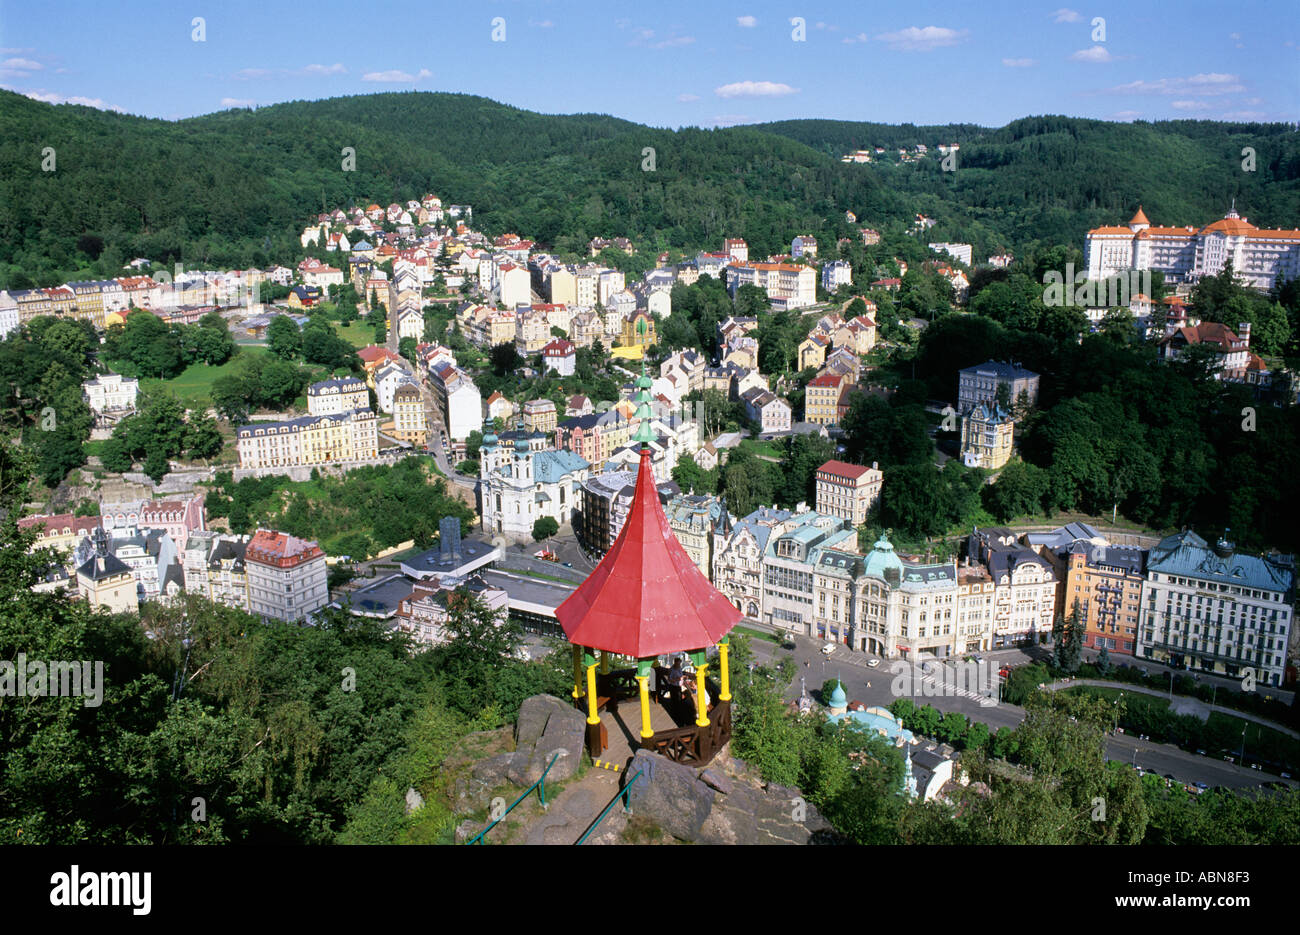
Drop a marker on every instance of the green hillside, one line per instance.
(236, 187)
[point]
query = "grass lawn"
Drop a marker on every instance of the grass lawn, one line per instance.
(1261, 741)
(764, 448)
(759, 635)
(193, 386)
(358, 333)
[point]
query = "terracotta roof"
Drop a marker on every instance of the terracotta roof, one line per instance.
(269, 547)
(646, 597)
(1140, 217)
(843, 469)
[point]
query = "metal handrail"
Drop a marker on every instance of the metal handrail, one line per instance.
(621, 793)
(539, 785)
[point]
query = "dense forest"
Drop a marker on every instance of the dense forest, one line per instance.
(253, 178)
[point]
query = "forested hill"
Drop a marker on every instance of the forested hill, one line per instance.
(236, 187)
(1052, 178)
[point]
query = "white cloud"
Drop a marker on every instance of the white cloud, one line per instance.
(746, 21)
(1190, 105)
(1126, 115)
(673, 42)
(1064, 15)
(922, 38)
(728, 120)
(335, 69)
(1203, 85)
(52, 97)
(860, 37)
(254, 73)
(1251, 115)
(1234, 35)
(236, 102)
(396, 76)
(754, 89)
(20, 66)
(544, 24)
(1018, 62)
(687, 98)
(1096, 55)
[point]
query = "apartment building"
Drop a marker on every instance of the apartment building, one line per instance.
(343, 394)
(213, 565)
(1214, 609)
(409, 418)
(848, 490)
(348, 436)
(787, 285)
(1104, 582)
(286, 576)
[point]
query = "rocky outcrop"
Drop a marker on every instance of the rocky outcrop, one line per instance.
(708, 806)
(547, 726)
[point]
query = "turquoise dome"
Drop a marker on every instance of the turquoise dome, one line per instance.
(838, 698)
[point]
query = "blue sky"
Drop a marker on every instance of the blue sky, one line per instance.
(674, 63)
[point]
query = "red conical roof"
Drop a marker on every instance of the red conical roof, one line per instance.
(1140, 217)
(646, 597)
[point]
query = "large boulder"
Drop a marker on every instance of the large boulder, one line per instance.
(709, 806)
(671, 794)
(547, 726)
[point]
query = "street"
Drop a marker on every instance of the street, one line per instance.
(873, 687)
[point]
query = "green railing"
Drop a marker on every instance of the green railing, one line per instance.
(620, 794)
(540, 786)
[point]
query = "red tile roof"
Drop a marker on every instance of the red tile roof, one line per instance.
(843, 469)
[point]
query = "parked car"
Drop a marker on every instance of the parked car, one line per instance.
(873, 662)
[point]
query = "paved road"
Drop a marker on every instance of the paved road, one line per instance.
(874, 686)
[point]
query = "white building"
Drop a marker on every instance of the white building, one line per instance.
(958, 251)
(1215, 609)
(834, 275)
(286, 576)
(787, 285)
(458, 399)
(338, 395)
(514, 285)
(521, 482)
(111, 394)
(1185, 254)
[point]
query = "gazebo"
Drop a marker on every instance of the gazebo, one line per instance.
(646, 599)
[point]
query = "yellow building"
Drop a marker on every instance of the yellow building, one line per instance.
(638, 330)
(409, 423)
(540, 415)
(821, 402)
(105, 581)
(351, 436)
(987, 433)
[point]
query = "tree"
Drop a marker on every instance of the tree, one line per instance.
(283, 337)
(481, 643)
(203, 438)
(544, 528)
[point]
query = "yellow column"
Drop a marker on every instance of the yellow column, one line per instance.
(724, 672)
(604, 662)
(592, 716)
(577, 672)
(643, 681)
(701, 712)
